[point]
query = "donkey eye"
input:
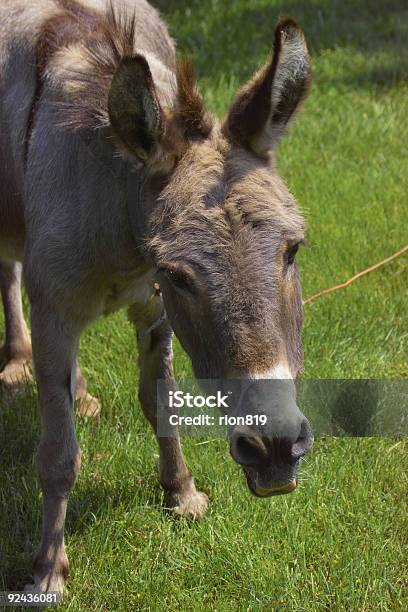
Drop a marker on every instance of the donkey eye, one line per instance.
(179, 279)
(291, 254)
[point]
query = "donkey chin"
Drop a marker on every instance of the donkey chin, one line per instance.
(272, 481)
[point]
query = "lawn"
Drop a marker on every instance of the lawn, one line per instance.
(340, 541)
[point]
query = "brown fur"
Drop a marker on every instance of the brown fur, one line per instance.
(104, 40)
(193, 115)
(162, 195)
(237, 210)
(67, 27)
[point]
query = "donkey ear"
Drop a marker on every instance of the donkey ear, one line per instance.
(134, 110)
(263, 108)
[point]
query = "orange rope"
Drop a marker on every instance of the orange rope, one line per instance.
(356, 276)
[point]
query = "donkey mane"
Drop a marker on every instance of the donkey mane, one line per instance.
(79, 51)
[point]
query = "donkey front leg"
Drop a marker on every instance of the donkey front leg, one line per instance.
(155, 362)
(15, 354)
(58, 456)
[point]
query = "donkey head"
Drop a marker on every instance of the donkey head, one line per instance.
(223, 231)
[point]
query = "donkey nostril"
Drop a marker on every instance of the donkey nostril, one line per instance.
(303, 442)
(248, 450)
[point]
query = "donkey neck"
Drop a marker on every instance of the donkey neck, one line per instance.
(130, 179)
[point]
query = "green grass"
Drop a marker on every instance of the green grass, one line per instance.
(339, 542)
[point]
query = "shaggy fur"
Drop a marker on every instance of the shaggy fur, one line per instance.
(86, 47)
(240, 213)
(115, 179)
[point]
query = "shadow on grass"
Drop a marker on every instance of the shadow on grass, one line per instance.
(19, 499)
(93, 496)
(229, 38)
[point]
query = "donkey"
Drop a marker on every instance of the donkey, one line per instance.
(120, 189)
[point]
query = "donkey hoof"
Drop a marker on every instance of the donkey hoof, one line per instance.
(55, 584)
(192, 504)
(49, 575)
(14, 374)
(88, 406)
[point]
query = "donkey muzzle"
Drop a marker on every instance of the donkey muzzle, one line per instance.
(270, 463)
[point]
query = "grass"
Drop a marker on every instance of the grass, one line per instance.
(339, 542)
